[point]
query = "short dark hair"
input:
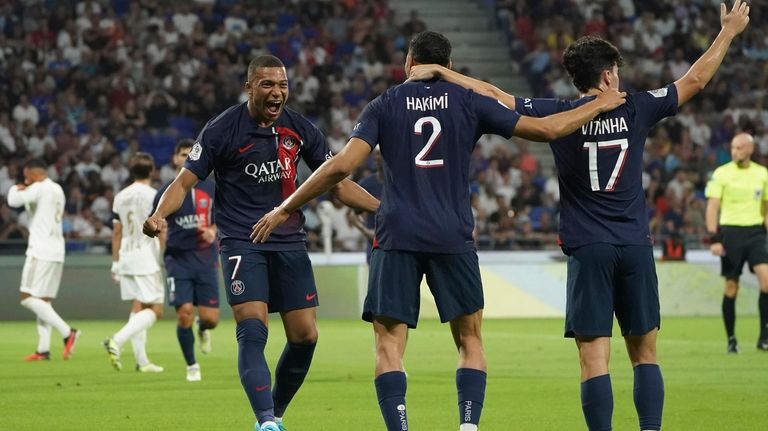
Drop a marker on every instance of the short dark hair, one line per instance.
(35, 163)
(263, 61)
(183, 145)
(587, 58)
(141, 166)
(429, 47)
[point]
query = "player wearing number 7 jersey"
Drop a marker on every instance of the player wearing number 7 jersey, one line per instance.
(603, 223)
(426, 132)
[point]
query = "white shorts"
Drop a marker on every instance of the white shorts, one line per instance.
(147, 289)
(41, 278)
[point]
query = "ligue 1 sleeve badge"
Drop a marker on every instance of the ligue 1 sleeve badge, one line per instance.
(237, 287)
(197, 150)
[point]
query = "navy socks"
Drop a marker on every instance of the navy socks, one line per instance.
(187, 343)
(390, 390)
(649, 396)
(252, 366)
(470, 386)
(291, 370)
(597, 402)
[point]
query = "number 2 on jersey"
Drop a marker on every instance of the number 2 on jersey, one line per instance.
(592, 148)
(433, 138)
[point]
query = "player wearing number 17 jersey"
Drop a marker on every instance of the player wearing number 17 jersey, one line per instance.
(604, 229)
(426, 132)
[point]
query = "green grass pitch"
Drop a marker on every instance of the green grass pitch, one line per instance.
(533, 381)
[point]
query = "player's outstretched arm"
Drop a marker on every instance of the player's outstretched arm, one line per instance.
(564, 123)
(699, 75)
(422, 72)
(170, 201)
(352, 195)
(326, 176)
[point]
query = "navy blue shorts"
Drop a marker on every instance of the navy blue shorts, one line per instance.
(604, 279)
(395, 276)
(742, 244)
(197, 286)
(282, 279)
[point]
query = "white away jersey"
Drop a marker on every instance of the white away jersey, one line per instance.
(139, 254)
(44, 201)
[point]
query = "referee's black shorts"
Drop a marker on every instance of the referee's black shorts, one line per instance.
(742, 244)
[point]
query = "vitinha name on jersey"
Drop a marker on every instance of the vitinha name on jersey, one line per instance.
(605, 126)
(430, 103)
(271, 171)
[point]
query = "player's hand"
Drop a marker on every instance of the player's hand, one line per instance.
(115, 273)
(717, 249)
(610, 99)
(153, 226)
(21, 186)
(209, 235)
(268, 223)
(735, 21)
(424, 72)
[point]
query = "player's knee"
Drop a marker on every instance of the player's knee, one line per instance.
(307, 336)
(208, 323)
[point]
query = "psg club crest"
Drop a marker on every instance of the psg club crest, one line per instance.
(237, 287)
(288, 142)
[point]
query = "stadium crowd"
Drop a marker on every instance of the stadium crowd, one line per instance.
(87, 84)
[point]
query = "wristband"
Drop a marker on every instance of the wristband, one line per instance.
(716, 238)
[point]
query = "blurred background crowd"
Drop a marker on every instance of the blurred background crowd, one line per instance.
(86, 84)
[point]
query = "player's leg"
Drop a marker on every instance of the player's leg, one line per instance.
(390, 379)
(757, 257)
(454, 280)
(247, 284)
(207, 301)
(293, 293)
(139, 342)
(392, 305)
(40, 281)
(637, 311)
(589, 319)
(180, 285)
(731, 265)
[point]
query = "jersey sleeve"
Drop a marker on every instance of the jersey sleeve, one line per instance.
(315, 150)
(494, 117)
(18, 198)
(715, 185)
(200, 160)
(655, 105)
(367, 126)
(540, 107)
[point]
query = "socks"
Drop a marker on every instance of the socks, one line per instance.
(252, 366)
(763, 307)
(390, 390)
(139, 346)
(187, 343)
(597, 402)
(729, 315)
(649, 396)
(43, 336)
(45, 312)
(138, 322)
(470, 385)
(291, 370)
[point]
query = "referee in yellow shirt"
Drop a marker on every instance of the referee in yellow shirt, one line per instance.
(738, 191)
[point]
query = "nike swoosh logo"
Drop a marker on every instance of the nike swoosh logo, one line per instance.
(241, 150)
(310, 296)
(262, 388)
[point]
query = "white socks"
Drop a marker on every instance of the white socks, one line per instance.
(47, 314)
(139, 346)
(139, 322)
(44, 336)
(467, 427)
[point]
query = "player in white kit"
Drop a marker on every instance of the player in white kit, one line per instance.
(43, 200)
(136, 265)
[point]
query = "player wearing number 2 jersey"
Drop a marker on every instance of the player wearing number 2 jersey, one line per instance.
(604, 230)
(426, 132)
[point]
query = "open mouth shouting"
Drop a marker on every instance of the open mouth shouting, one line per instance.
(272, 108)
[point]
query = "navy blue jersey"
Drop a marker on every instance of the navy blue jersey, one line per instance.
(426, 132)
(255, 170)
(600, 168)
(185, 245)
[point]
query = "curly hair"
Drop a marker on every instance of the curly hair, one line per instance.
(587, 58)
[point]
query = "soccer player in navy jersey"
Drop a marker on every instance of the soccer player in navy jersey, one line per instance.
(191, 265)
(253, 149)
(603, 220)
(426, 132)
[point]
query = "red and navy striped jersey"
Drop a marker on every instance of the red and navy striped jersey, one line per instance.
(255, 170)
(600, 168)
(426, 132)
(185, 228)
